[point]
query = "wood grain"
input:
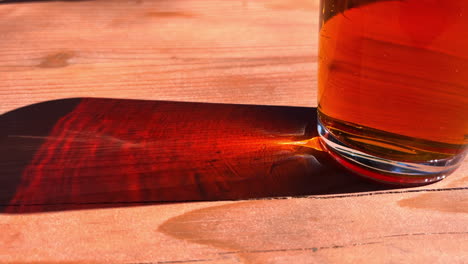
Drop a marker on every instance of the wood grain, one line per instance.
(256, 52)
(62, 155)
(372, 227)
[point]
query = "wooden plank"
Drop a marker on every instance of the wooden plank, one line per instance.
(252, 52)
(417, 225)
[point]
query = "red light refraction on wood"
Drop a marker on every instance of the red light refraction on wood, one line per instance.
(92, 153)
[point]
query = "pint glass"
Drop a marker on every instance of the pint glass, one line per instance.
(393, 87)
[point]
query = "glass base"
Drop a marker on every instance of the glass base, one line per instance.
(385, 170)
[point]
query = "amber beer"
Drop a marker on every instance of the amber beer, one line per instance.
(393, 86)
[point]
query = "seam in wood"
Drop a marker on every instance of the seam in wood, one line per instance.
(269, 198)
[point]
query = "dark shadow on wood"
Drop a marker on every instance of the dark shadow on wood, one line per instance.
(94, 153)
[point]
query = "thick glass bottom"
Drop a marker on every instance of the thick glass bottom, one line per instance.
(387, 170)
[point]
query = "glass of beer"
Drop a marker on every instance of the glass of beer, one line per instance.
(393, 87)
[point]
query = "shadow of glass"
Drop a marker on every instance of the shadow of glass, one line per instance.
(93, 153)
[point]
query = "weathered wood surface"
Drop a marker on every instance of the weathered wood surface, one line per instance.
(257, 52)
(418, 225)
(254, 52)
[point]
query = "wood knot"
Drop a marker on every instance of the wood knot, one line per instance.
(56, 60)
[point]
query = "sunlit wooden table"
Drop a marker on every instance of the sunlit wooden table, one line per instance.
(249, 52)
